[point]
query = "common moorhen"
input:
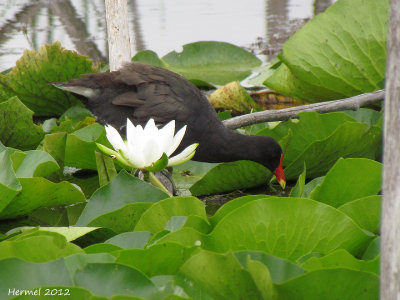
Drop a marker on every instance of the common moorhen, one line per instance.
(139, 92)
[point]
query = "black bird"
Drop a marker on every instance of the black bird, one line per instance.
(139, 92)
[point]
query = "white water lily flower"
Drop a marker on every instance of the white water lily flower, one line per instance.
(145, 146)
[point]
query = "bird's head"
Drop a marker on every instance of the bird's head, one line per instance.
(280, 175)
(271, 157)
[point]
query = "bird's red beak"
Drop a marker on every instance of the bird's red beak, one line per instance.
(280, 176)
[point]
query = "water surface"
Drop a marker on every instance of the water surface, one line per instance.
(158, 25)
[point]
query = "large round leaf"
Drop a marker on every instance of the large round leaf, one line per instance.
(287, 227)
(214, 62)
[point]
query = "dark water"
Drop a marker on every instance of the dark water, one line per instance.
(159, 25)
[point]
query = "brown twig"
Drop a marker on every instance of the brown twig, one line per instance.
(352, 103)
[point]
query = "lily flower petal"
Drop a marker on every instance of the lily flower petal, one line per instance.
(176, 141)
(151, 128)
(184, 156)
(114, 138)
(166, 135)
(145, 146)
(152, 152)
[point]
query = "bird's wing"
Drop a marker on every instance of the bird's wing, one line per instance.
(156, 93)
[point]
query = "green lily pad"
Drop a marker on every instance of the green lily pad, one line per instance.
(338, 135)
(373, 250)
(160, 259)
(36, 163)
(25, 194)
(187, 174)
(337, 54)
(310, 186)
(117, 194)
(221, 275)
(9, 184)
(349, 179)
(23, 275)
(149, 57)
(231, 176)
(108, 279)
(331, 284)
(213, 62)
(280, 269)
(54, 144)
(130, 240)
(16, 126)
(101, 248)
(230, 206)
(38, 248)
(69, 233)
(275, 221)
(123, 219)
(105, 168)
(81, 145)
(167, 208)
(298, 189)
(39, 192)
(262, 278)
(76, 113)
(366, 212)
(30, 78)
(341, 259)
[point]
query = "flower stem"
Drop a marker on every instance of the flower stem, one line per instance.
(154, 180)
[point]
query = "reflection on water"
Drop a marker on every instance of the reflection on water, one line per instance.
(159, 25)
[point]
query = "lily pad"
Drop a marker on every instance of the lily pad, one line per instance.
(221, 275)
(9, 184)
(81, 145)
(213, 62)
(349, 179)
(280, 269)
(108, 279)
(276, 220)
(16, 126)
(130, 240)
(231, 176)
(331, 284)
(233, 97)
(39, 192)
(38, 248)
(341, 259)
(160, 259)
(30, 78)
(366, 212)
(35, 274)
(117, 194)
(167, 208)
(338, 135)
(337, 54)
(25, 194)
(123, 219)
(36, 163)
(187, 174)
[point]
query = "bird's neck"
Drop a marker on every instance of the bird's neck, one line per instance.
(227, 146)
